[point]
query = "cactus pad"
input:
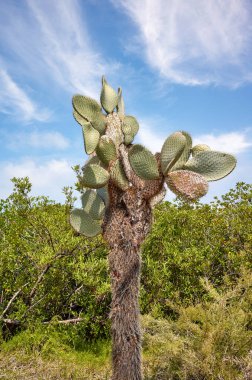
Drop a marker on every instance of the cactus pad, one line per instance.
(130, 125)
(109, 98)
(87, 107)
(106, 150)
(185, 154)
(94, 176)
(79, 118)
(118, 176)
(84, 224)
(120, 105)
(143, 162)
(211, 165)
(93, 204)
(171, 151)
(199, 148)
(103, 193)
(91, 138)
(187, 184)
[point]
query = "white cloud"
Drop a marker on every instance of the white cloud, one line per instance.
(194, 42)
(51, 42)
(15, 101)
(148, 138)
(47, 140)
(233, 142)
(47, 178)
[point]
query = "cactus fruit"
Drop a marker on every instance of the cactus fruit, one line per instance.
(94, 176)
(91, 138)
(93, 204)
(143, 162)
(186, 184)
(84, 224)
(118, 176)
(211, 165)
(106, 150)
(109, 98)
(199, 148)
(171, 151)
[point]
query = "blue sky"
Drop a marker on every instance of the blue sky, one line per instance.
(182, 65)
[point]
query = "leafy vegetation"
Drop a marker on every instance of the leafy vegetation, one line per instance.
(195, 296)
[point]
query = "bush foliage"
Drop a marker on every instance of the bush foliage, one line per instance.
(195, 295)
(47, 272)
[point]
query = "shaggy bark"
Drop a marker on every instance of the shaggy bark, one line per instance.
(126, 225)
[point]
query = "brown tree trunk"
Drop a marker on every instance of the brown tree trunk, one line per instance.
(126, 225)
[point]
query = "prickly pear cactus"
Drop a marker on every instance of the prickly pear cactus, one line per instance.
(108, 137)
(120, 183)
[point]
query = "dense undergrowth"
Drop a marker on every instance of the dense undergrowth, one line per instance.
(195, 297)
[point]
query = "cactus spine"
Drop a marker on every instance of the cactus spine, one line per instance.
(121, 183)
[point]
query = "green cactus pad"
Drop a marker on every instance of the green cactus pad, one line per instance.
(185, 154)
(93, 204)
(171, 151)
(211, 165)
(91, 138)
(84, 224)
(120, 105)
(79, 118)
(130, 125)
(94, 176)
(128, 139)
(118, 176)
(106, 150)
(103, 193)
(87, 107)
(109, 98)
(187, 184)
(143, 162)
(199, 148)
(99, 123)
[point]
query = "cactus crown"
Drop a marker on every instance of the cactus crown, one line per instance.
(116, 161)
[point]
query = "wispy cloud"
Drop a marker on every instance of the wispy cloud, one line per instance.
(15, 101)
(233, 142)
(50, 40)
(194, 42)
(38, 140)
(47, 178)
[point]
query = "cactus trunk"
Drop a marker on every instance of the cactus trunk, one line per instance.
(125, 227)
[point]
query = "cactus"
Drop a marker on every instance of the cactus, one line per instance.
(199, 148)
(211, 165)
(171, 151)
(109, 98)
(106, 150)
(93, 204)
(94, 176)
(84, 224)
(91, 138)
(129, 181)
(118, 176)
(143, 162)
